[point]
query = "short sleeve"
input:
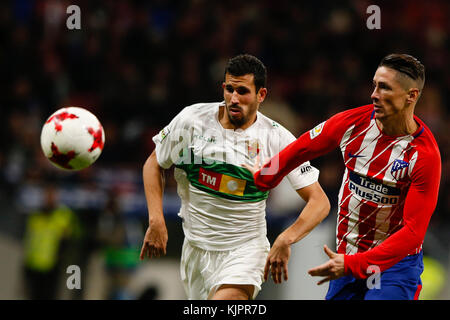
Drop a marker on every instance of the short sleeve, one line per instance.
(172, 139)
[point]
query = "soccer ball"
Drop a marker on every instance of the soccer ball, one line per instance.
(72, 138)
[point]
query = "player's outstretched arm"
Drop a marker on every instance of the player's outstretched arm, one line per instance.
(155, 240)
(316, 209)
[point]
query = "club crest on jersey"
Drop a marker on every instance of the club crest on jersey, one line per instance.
(164, 133)
(399, 169)
(316, 130)
(253, 148)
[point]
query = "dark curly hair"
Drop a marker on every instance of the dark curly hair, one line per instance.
(247, 64)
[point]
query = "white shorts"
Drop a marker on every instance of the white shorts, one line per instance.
(204, 271)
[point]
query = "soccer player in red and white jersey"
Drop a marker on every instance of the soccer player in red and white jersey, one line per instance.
(389, 188)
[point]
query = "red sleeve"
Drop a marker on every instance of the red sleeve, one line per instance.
(419, 206)
(318, 141)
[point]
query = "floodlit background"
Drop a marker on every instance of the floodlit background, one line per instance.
(136, 64)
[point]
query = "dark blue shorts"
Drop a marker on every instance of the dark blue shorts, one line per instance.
(400, 282)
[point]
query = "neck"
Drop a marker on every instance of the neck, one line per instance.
(398, 125)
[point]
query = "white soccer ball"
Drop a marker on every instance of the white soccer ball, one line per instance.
(72, 138)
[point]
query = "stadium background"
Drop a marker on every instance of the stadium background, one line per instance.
(135, 64)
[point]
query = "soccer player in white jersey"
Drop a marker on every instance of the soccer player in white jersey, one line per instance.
(226, 250)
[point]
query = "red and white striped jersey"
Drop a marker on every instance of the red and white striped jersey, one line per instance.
(374, 186)
(389, 189)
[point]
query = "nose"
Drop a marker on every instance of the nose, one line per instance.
(234, 98)
(375, 96)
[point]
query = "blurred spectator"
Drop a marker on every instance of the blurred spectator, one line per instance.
(118, 258)
(46, 231)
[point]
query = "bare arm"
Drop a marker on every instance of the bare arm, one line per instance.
(155, 240)
(316, 209)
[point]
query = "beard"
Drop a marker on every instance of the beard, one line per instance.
(237, 120)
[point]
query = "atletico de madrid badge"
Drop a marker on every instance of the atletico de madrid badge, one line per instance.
(399, 169)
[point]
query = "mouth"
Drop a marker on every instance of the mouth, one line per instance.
(377, 107)
(235, 111)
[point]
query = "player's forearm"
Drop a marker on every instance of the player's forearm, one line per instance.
(301, 150)
(279, 166)
(312, 214)
(389, 253)
(153, 178)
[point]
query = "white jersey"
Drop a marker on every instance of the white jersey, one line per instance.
(221, 206)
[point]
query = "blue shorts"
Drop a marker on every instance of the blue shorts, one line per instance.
(400, 282)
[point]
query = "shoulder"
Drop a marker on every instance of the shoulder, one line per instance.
(196, 112)
(336, 126)
(426, 143)
(201, 109)
(276, 132)
(426, 156)
(359, 113)
(267, 123)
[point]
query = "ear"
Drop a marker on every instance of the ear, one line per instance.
(262, 93)
(413, 95)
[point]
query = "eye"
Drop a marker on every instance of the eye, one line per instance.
(229, 88)
(242, 90)
(384, 86)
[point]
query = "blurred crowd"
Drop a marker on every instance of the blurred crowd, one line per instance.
(136, 64)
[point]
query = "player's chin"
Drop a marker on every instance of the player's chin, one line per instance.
(379, 114)
(237, 120)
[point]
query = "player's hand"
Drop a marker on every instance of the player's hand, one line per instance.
(332, 269)
(277, 261)
(155, 241)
